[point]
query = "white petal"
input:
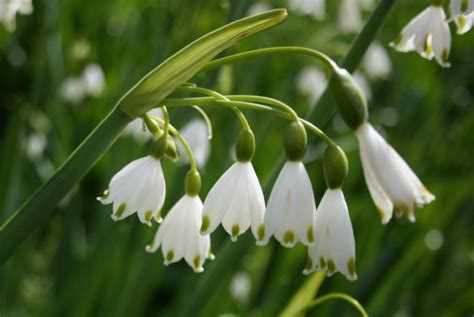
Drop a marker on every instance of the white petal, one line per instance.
(195, 133)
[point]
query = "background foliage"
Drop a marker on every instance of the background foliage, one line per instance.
(82, 263)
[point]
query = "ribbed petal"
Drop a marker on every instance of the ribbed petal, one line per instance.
(387, 172)
(291, 207)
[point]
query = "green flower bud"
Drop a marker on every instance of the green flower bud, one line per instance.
(438, 3)
(172, 150)
(159, 147)
(295, 141)
(153, 127)
(245, 146)
(335, 166)
(192, 183)
(349, 98)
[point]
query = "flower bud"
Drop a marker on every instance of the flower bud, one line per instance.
(335, 166)
(172, 150)
(295, 141)
(159, 147)
(245, 146)
(152, 126)
(192, 183)
(349, 98)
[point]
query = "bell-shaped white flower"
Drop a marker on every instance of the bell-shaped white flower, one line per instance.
(428, 33)
(291, 207)
(179, 235)
(462, 12)
(376, 62)
(196, 133)
(9, 9)
(349, 16)
(138, 188)
(93, 79)
(236, 200)
(311, 82)
(391, 182)
(334, 248)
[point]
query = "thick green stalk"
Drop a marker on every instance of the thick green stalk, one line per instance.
(229, 259)
(39, 207)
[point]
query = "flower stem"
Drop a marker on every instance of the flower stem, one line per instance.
(271, 50)
(187, 148)
(333, 296)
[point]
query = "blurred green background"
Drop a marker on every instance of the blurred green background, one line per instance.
(83, 264)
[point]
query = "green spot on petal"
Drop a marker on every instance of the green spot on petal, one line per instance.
(322, 263)
(351, 266)
(148, 215)
(331, 266)
(120, 210)
(197, 262)
(261, 232)
(310, 234)
(205, 223)
(235, 231)
(464, 5)
(289, 237)
(445, 55)
(169, 256)
(105, 194)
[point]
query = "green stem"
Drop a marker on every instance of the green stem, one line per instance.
(41, 204)
(333, 296)
(234, 102)
(271, 50)
(187, 148)
(206, 119)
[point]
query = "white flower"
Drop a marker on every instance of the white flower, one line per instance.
(237, 201)
(291, 207)
(349, 17)
(462, 12)
(34, 145)
(195, 132)
(137, 129)
(428, 33)
(376, 62)
(334, 248)
(314, 8)
(73, 90)
(391, 182)
(9, 9)
(93, 80)
(179, 235)
(311, 82)
(258, 7)
(139, 187)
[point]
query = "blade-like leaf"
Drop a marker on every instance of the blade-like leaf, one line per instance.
(183, 65)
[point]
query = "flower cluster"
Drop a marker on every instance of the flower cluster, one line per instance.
(9, 9)
(236, 201)
(429, 34)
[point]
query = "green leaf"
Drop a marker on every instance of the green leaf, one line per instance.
(305, 295)
(179, 68)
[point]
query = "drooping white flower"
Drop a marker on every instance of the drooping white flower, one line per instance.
(9, 9)
(462, 12)
(179, 235)
(349, 16)
(428, 33)
(34, 145)
(391, 182)
(73, 90)
(236, 200)
(311, 82)
(93, 80)
(195, 132)
(334, 248)
(291, 207)
(313, 8)
(138, 188)
(258, 7)
(376, 62)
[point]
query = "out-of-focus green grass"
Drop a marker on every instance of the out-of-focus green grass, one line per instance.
(82, 263)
